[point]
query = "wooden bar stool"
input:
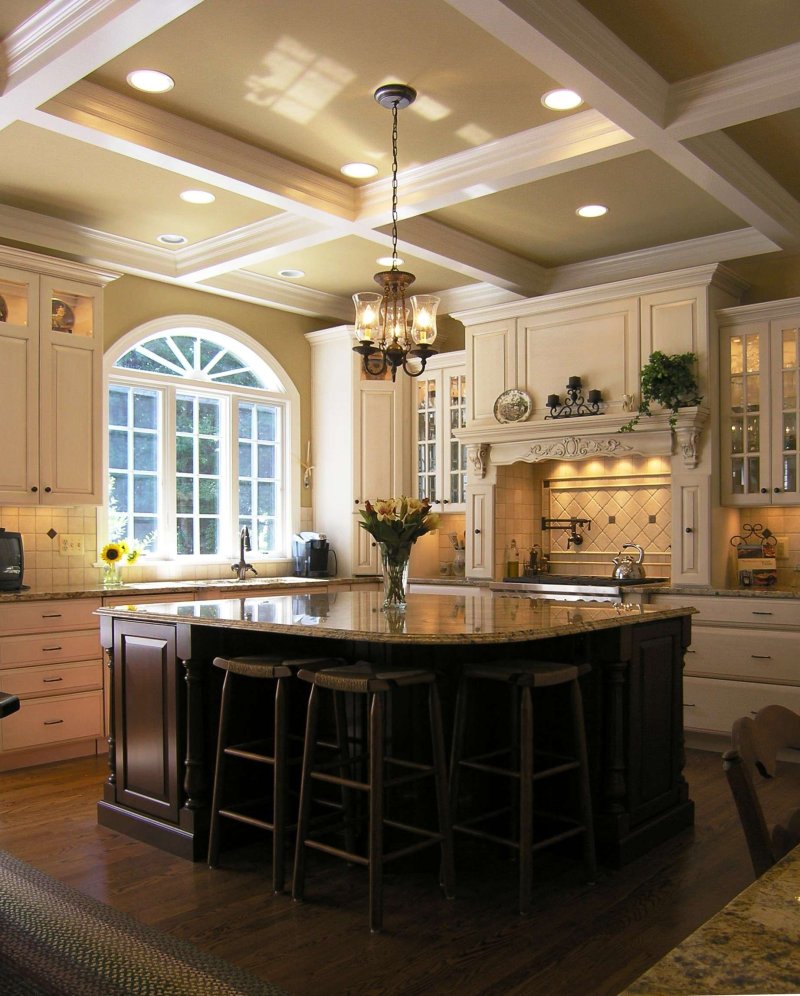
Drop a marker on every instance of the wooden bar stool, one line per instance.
(378, 685)
(526, 766)
(271, 751)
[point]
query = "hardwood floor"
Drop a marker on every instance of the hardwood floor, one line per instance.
(579, 939)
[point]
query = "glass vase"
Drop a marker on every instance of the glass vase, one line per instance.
(111, 576)
(394, 560)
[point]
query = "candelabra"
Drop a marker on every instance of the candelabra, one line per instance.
(575, 404)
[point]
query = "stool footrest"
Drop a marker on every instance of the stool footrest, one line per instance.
(252, 821)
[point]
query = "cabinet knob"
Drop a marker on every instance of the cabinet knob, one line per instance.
(688, 529)
(777, 491)
(356, 501)
(445, 501)
(477, 532)
(763, 491)
(34, 489)
(48, 490)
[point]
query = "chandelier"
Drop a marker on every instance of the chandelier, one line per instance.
(393, 332)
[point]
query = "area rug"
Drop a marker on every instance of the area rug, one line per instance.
(55, 941)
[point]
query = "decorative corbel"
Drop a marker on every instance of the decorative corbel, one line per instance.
(688, 441)
(478, 456)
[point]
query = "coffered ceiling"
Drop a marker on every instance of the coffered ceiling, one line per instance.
(689, 133)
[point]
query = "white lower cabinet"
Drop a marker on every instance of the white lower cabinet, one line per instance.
(50, 657)
(743, 656)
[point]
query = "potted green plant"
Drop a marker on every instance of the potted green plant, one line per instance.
(668, 380)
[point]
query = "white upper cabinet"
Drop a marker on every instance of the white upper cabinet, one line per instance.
(51, 350)
(439, 407)
(760, 408)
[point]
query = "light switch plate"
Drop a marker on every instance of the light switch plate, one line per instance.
(70, 544)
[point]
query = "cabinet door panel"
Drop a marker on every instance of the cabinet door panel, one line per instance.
(19, 408)
(146, 702)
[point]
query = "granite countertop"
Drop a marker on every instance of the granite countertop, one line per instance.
(180, 587)
(694, 589)
(748, 947)
(485, 617)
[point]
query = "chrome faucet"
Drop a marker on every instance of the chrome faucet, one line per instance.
(241, 569)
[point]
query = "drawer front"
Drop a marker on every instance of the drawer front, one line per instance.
(53, 720)
(44, 616)
(55, 680)
(16, 651)
(136, 599)
(751, 611)
(712, 705)
(761, 655)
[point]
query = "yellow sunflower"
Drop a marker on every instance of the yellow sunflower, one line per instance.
(112, 553)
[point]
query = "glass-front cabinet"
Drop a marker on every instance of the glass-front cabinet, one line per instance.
(440, 407)
(760, 410)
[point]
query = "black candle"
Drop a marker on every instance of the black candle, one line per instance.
(574, 383)
(553, 401)
(595, 397)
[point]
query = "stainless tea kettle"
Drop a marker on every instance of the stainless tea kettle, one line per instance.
(626, 567)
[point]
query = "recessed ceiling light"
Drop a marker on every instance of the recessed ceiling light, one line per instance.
(291, 274)
(359, 171)
(562, 100)
(150, 80)
(389, 261)
(170, 239)
(198, 196)
(592, 211)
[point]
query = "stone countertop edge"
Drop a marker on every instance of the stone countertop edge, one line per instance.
(750, 946)
(280, 584)
(605, 617)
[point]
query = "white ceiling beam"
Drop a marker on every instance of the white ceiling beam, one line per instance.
(66, 39)
(562, 38)
(258, 289)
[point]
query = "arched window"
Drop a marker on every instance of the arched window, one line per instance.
(199, 426)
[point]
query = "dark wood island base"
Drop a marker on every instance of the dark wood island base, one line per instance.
(165, 696)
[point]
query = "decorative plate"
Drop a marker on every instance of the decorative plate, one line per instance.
(513, 406)
(63, 319)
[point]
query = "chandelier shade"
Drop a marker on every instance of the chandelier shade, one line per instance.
(394, 331)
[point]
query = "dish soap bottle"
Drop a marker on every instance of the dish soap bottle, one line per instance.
(512, 564)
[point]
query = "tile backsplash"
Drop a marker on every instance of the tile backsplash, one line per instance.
(625, 501)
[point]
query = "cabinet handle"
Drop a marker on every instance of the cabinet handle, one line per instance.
(48, 490)
(689, 705)
(477, 532)
(691, 651)
(34, 489)
(757, 612)
(51, 648)
(761, 657)
(688, 529)
(51, 615)
(52, 722)
(47, 681)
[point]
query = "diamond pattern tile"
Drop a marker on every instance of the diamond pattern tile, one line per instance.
(631, 505)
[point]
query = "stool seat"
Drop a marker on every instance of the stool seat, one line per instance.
(524, 765)
(378, 684)
(269, 748)
(363, 677)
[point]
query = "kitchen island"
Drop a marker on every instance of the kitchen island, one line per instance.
(165, 693)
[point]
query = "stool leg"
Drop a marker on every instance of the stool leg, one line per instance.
(299, 875)
(525, 800)
(457, 749)
(345, 771)
(589, 855)
(279, 788)
(376, 812)
(219, 770)
(440, 781)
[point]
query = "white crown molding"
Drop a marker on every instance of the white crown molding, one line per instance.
(474, 296)
(746, 313)
(708, 249)
(66, 39)
(25, 260)
(557, 147)
(92, 114)
(258, 289)
(753, 88)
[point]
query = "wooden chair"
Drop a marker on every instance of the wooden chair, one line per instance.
(755, 744)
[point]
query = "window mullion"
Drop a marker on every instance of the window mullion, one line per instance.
(168, 495)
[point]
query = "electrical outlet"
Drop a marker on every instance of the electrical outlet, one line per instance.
(781, 547)
(70, 544)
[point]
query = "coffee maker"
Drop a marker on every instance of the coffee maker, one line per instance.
(312, 556)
